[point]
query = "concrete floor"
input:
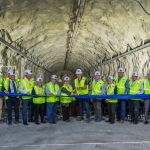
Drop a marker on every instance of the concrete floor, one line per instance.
(75, 136)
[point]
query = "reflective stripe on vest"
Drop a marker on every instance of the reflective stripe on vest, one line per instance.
(146, 86)
(96, 87)
(121, 85)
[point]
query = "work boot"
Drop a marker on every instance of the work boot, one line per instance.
(25, 123)
(87, 120)
(80, 118)
(146, 122)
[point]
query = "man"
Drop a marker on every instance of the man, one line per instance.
(66, 90)
(98, 88)
(81, 87)
(10, 86)
(122, 87)
(26, 87)
(147, 101)
(52, 91)
(135, 87)
(112, 103)
(1, 98)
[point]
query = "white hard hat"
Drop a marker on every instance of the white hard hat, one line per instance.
(28, 72)
(78, 71)
(110, 78)
(121, 70)
(148, 72)
(97, 73)
(39, 80)
(66, 78)
(10, 73)
(54, 77)
(135, 74)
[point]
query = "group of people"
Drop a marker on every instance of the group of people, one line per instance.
(38, 96)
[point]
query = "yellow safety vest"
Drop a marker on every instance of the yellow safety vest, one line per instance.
(39, 91)
(146, 86)
(28, 86)
(1, 83)
(96, 87)
(53, 88)
(66, 100)
(81, 83)
(121, 85)
(134, 88)
(110, 90)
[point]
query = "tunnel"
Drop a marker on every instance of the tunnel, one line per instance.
(59, 36)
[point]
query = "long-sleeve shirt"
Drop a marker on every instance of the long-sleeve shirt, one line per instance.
(48, 92)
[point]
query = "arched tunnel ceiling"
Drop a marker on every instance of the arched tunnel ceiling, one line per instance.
(106, 28)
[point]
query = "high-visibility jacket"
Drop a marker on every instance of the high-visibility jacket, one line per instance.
(96, 87)
(81, 83)
(54, 89)
(146, 86)
(66, 100)
(6, 86)
(39, 91)
(27, 85)
(110, 90)
(120, 85)
(1, 83)
(134, 88)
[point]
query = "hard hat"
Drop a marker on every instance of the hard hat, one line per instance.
(148, 72)
(110, 78)
(135, 74)
(78, 71)
(97, 73)
(10, 73)
(66, 78)
(39, 80)
(121, 70)
(54, 77)
(28, 72)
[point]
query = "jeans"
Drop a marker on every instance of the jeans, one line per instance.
(84, 106)
(121, 111)
(97, 109)
(26, 107)
(51, 112)
(12, 102)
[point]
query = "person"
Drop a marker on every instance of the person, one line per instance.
(26, 87)
(10, 86)
(39, 102)
(66, 90)
(81, 87)
(135, 87)
(122, 87)
(98, 88)
(1, 98)
(112, 103)
(147, 101)
(52, 91)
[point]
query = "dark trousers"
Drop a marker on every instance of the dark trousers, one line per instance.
(65, 111)
(146, 108)
(51, 112)
(12, 102)
(112, 111)
(26, 107)
(134, 110)
(121, 110)
(38, 111)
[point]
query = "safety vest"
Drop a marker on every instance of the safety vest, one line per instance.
(1, 83)
(96, 87)
(134, 88)
(27, 85)
(6, 86)
(66, 100)
(121, 85)
(53, 88)
(110, 90)
(146, 86)
(81, 83)
(39, 91)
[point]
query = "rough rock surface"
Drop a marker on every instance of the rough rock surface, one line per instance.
(106, 28)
